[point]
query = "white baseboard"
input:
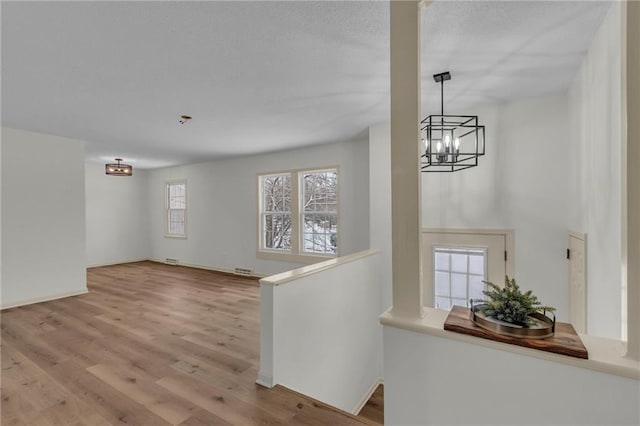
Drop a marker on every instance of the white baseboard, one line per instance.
(120, 262)
(188, 265)
(208, 268)
(265, 380)
(43, 299)
(367, 396)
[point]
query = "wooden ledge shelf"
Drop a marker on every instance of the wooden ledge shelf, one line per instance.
(565, 341)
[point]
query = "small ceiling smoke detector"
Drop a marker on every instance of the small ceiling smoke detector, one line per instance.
(184, 118)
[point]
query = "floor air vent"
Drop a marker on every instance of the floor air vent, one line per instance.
(242, 271)
(169, 261)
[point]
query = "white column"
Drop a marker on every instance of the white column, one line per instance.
(631, 232)
(405, 158)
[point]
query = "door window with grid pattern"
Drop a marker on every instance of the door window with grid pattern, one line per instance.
(458, 275)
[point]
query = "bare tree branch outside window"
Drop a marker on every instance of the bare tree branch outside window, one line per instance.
(320, 212)
(276, 216)
(316, 216)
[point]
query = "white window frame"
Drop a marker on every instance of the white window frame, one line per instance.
(262, 213)
(166, 207)
(302, 213)
(296, 254)
(463, 238)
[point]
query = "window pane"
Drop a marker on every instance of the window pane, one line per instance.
(276, 193)
(320, 233)
(310, 196)
(176, 222)
(177, 196)
(267, 222)
(452, 280)
(459, 262)
(319, 191)
(268, 239)
(277, 231)
(286, 194)
(442, 261)
(307, 222)
(443, 303)
(442, 283)
(476, 286)
(476, 264)
(319, 212)
(267, 194)
(459, 285)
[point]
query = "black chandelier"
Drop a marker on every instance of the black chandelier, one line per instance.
(450, 142)
(119, 169)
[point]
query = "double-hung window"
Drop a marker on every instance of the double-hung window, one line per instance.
(276, 212)
(298, 217)
(176, 209)
(320, 212)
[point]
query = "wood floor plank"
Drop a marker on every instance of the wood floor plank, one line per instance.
(207, 355)
(220, 402)
(149, 345)
(143, 390)
(280, 406)
(22, 374)
(230, 345)
(48, 401)
(111, 404)
(204, 418)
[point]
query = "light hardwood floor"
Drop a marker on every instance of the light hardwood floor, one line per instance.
(150, 344)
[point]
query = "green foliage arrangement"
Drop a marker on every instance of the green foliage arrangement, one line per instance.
(509, 304)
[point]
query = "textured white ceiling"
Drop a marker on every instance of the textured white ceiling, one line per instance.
(262, 76)
(504, 50)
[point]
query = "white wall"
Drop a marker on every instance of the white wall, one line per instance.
(520, 184)
(223, 201)
(470, 198)
(595, 175)
(534, 134)
(553, 163)
(431, 380)
(43, 217)
(0, 221)
(117, 216)
(319, 332)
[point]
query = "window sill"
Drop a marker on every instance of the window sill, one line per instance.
(294, 258)
(176, 237)
(605, 355)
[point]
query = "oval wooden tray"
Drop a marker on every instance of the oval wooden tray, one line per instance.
(544, 327)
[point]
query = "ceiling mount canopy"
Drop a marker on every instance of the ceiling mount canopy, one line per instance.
(118, 168)
(450, 142)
